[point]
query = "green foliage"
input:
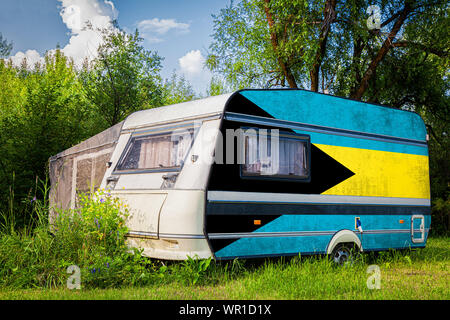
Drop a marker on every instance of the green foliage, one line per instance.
(42, 111)
(12, 91)
(217, 86)
(258, 43)
(39, 260)
(440, 222)
(194, 269)
(176, 90)
(5, 47)
(49, 107)
(91, 237)
(123, 78)
(244, 52)
(241, 50)
(99, 222)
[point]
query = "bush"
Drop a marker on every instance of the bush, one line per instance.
(440, 220)
(91, 237)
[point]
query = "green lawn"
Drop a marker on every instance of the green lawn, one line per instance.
(417, 274)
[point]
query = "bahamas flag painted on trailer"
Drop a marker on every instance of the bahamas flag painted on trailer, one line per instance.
(384, 150)
(398, 168)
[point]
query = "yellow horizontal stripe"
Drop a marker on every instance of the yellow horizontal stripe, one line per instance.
(380, 173)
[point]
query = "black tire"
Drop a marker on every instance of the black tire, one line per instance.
(343, 253)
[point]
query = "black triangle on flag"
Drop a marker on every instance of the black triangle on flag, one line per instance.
(326, 172)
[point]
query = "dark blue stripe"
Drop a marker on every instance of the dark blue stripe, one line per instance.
(238, 208)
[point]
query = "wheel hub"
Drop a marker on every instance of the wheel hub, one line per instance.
(341, 256)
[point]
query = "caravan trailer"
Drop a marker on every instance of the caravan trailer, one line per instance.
(259, 173)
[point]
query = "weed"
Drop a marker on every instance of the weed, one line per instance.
(194, 269)
(91, 237)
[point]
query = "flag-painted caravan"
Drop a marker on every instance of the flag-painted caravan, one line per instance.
(259, 173)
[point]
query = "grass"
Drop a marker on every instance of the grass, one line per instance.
(34, 260)
(410, 274)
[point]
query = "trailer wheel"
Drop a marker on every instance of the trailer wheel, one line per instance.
(343, 253)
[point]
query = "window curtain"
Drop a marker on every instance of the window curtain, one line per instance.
(252, 162)
(155, 153)
(286, 158)
(166, 151)
(291, 157)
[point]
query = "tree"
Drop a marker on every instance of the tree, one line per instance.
(42, 112)
(123, 78)
(5, 47)
(177, 90)
(271, 43)
(315, 44)
(217, 86)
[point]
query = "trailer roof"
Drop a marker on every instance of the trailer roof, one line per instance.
(181, 111)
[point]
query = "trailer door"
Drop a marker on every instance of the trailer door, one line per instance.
(143, 209)
(148, 166)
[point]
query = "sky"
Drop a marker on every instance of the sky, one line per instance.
(178, 30)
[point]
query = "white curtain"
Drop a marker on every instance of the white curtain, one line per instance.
(252, 162)
(286, 158)
(292, 157)
(165, 151)
(155, 153)
(268, 154)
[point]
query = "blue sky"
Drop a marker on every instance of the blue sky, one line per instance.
(176, 29)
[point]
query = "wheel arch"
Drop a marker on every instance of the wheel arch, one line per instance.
(344, 236)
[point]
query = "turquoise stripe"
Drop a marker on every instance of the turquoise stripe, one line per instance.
(334, 140)
(274, 246)
(325, 110)
(292, 245)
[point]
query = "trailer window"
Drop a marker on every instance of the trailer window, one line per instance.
(287, 159)
(157, 152)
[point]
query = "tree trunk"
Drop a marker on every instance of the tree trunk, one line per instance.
(274, 39)
(363, 85)
(329, 15)
(358, 47)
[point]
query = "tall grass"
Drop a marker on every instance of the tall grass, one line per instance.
(29, 213)
(93, 238)
(410, 274)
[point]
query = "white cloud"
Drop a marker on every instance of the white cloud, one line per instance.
(162, 26)
(192, 62)
(82, 43)
(191, 65)
(153, 29)
(32, 57)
